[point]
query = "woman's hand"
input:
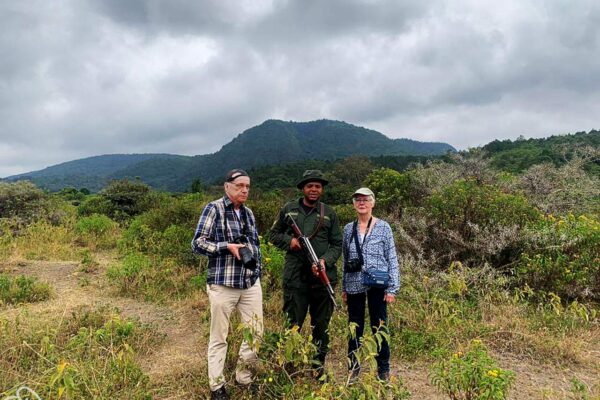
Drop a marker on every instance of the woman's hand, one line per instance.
(389, 298)
(345, 297)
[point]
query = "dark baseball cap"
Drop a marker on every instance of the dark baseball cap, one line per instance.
(234, 174)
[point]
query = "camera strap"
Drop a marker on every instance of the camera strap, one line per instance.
(243, 221)
(355, 237)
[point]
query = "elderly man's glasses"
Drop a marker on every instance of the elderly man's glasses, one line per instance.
(241, 186)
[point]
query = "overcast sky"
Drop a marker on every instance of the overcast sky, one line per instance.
(81, 78)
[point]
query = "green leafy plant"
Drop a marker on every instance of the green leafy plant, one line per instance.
(472, 375)
(22, 289)
(391, 188)
(563, 257)
(97, 231)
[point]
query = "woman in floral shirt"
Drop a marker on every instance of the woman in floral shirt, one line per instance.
(371, 275)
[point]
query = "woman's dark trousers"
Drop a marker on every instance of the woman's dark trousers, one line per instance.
(377, 313)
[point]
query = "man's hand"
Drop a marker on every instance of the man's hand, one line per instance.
(389, 298)
(295, 244)
(234, 248)
(315, 269)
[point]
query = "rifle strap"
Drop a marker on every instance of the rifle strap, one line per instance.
(321, 218)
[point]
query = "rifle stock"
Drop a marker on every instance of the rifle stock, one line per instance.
(312, 257)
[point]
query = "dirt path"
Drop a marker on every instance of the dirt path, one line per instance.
(178, 322)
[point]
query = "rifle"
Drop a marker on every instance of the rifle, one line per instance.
(312, 257)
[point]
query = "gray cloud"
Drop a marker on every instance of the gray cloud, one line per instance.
(185, 77)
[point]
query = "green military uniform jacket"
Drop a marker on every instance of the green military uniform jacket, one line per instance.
(327, 243)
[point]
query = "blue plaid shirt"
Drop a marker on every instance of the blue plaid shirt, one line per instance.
(217, 226)
(379, 252)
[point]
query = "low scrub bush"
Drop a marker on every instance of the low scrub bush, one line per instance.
(438, 311)
(22, 289)
(121, 200)
(564, 189)
(165, 232)
(563, 257)
(6, 240)
(88, 263)
(286, 369)
(23, 203)
(345, 213)
(273, 261)
(45, 241)
(472, 375)
(265, 210)
(140, 276)
(90, 354)
(391, 188)
(97, 231)
(468, 221)
(22, 200)
(467, 202)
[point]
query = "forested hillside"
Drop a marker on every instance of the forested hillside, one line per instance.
(271, 143)
(518, 155)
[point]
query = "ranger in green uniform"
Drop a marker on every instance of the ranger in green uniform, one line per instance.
(302, 291)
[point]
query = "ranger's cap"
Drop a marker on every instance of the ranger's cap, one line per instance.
(235, 173)
(364, 191)
(312, 175)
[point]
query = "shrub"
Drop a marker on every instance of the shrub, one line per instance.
(22, 289)
(6, 240)
(121, 200)
(273, 261)
(45, 241)
(473, 375)
(94, 204)
(130, 274)
(88, 263)
(438, 311)
(165, 232)
(345, 213)
(286, 359)
(97, 231)
(139, 275)
(563, 257)
(467, 202)
(72, 195)
(468, 221)
(265, 211)
(22, 203)
(22, 199)
(391, 189)
(559, 190)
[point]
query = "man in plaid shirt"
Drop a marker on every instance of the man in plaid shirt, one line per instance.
(226, 233)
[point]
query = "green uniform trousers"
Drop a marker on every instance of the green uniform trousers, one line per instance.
(314, 300)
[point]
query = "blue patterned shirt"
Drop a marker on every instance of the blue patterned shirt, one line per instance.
(219, 225)
(379, 252)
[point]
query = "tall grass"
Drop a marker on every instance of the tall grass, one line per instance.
(90, 354)
(45, 241)
(22, 289)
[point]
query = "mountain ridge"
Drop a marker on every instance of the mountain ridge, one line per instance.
(270, 143)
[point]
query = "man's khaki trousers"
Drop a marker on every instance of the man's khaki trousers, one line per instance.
(223, 300)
